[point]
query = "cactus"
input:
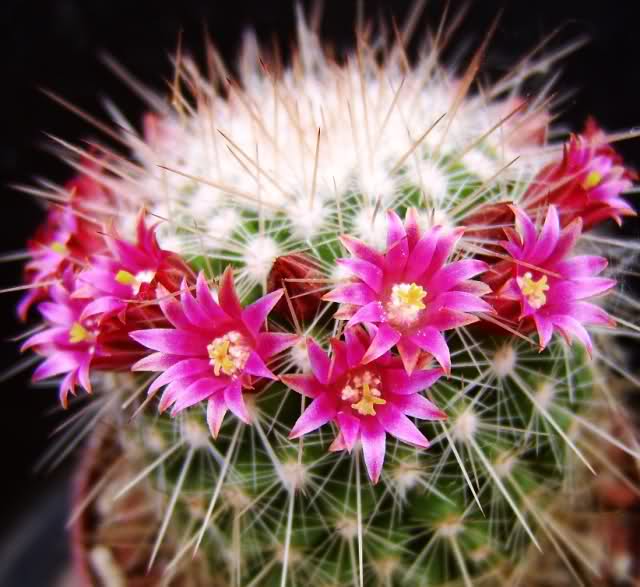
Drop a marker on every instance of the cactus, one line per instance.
(363, 303)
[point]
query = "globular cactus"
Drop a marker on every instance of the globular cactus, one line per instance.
(334, 318)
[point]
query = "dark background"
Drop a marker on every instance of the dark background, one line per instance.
(55, 44)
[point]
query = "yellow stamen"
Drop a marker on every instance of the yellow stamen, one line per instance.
(370, 398)
(534, 290)
(220, 358)
(125, 278)
(409, 295)
(59, 248)
(592, 180)
(78, 333)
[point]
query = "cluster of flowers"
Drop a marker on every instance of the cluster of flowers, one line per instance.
(106, 303)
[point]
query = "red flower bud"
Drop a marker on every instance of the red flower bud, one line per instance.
(297, 274)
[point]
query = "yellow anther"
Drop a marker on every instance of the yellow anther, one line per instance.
(592, 180)
(228, 353)
(78, 333)
(125, 278)
(408, 295)
(533, 289)
(59, 248)
(220, 358)
(370, 398)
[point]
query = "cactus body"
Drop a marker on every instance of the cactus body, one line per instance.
(339, 423)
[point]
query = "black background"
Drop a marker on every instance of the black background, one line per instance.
(55, 44)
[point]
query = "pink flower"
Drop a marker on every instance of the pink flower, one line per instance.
(65, 238)
(410, 292)
(131, 272)
(586, 183)
(549, 284)
(49, 250)
(74, 345)
(214, 352)
(366, 400)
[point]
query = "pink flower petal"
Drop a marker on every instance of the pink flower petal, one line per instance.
(432, 341)
(397, 424)
(306, 385)
(135, 258)
(464, 302)
(192, 310)
(355, 346)
(571, 328)
(67, 386)
(319, 361)
(185, 368)
(235, 401)
(206, 301)
(548, 238)
(373, 446)
(196, 392)
(227, 295)
(359, 249)
(526, 229)
(397, 381)
(104, 305)
(409, 353)
(587, 313)
(358, 294)
(269, 344)
(172, 309)
(544, 326)
(349, 428)
(385, 339)
(83, 374)
(411, 227)
(338, 363)
(397, 246)
(448, 319)
(58, 314)
(55, 365)
(476, 288)
(581, 266)
(578, 289)
(447, 241)
(449, 276)
(255, 315)
(49, 336)
(216, 409)
(418, 406)
(320, 411)
(421, 255)
(255, 366)
(368, 272)
(171, 392)
(568, 238)
(156, 362)
(511, 290)
(175, 342)
(373, 312)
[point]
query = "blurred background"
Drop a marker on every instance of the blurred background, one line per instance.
(55, 44)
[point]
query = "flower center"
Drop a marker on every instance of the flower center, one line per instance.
(228, 353)
(592, 180)
(135, 281)
(78, 333)
(363, 390)
(406, 301)
(533, 289)
(60, 248)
